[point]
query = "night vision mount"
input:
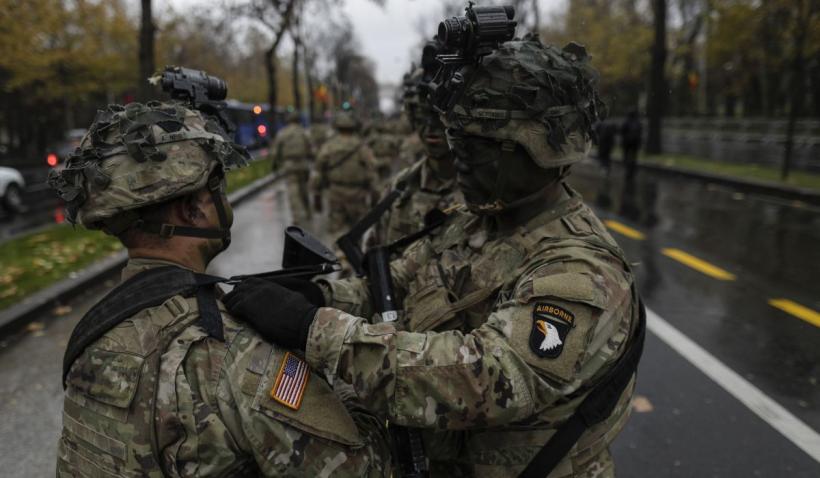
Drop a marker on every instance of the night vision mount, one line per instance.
(202, 91)
(465, 41)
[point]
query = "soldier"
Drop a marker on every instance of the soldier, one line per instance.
(319, 134)
(294, 155)
(159, 379)
(427, 184)
(346, 172)
(516, 313)
(385, 146)
(412, 148)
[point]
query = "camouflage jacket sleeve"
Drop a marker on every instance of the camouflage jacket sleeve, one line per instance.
(326, 433)
(353, 295)
(550, 335)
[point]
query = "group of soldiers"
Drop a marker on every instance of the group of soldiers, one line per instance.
(515, 348)
(346, 165)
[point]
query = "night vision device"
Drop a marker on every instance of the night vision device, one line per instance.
(464, 41)
(200, 90)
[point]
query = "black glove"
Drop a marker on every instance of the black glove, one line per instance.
(309, 289)
(279, 315)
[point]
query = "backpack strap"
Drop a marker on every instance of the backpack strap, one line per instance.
(147, 289)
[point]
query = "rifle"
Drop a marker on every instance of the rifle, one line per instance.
(303, 257)
(407, 445)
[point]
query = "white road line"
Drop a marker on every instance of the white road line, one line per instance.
(767, 409)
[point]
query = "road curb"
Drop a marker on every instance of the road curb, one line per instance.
(92, 276)
(791, 193)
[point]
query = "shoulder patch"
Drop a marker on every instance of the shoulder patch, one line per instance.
(289, 386)
(550, 326)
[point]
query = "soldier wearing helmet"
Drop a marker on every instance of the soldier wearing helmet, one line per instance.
(430, 182)
(521, 326)
(345, 174)
(159, 379)
(293, 154)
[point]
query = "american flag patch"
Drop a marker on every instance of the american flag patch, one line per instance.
(290, 381)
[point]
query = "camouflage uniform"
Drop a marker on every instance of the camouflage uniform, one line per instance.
(214, 411)
(424, 190)
(504, 330)
(385, 147)
(346, 172)
(293, 153)
(157, 395)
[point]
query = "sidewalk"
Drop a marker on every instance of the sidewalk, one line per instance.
(746, 185)
(92, 276)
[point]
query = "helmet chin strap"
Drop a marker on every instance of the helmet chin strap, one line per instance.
(166, 230)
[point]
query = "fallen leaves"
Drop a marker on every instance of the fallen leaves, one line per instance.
(641, 404)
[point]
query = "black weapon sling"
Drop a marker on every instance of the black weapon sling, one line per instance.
(144, 290)
(595, 408)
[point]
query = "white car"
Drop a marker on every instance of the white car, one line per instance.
(11, 190)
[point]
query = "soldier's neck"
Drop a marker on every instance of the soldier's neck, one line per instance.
(521, 214)
(188, 256)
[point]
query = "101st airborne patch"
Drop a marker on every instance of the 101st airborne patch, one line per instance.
(550, 326)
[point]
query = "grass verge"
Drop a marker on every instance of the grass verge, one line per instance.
(35, 261)
(744, 171)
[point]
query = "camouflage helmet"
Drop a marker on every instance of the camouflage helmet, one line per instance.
(345, 120)
(538, 96)
(138, 155)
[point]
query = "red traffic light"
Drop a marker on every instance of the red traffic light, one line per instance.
(52, 160)
(262, 130)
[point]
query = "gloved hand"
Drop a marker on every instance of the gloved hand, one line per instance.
(311, 291)
(278, 314)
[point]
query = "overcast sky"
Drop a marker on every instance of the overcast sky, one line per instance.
(390, 33)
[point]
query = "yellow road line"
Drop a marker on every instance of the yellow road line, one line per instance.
(625, 230)
(797, 310)
(698, 264)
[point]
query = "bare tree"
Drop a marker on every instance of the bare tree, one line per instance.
(147, 64)
(276, 17)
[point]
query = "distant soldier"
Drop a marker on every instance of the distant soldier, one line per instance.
(294, 155)
(385, 146)
(429, 183)
(631, 135)
(346, 172)
(412, 148)
(319, 133)
(606, 132)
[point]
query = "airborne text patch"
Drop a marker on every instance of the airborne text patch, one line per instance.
(550, 326)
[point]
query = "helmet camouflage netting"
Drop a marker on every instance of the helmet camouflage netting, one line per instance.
(138, 155)
(535, 95)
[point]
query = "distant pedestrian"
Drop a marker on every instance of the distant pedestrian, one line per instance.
(606, 132)
(631, 136)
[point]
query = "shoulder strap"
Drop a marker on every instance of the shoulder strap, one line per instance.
(344, 158)
(596, 407)
(146, 289)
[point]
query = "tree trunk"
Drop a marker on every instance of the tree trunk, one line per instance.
(297, 93)
(273, 97)
(657, 81)
(796, 82)
(311, 85)
(147, 66)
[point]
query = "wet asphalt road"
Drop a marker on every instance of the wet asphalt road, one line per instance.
(685, 424)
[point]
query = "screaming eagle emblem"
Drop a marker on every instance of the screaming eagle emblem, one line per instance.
(550, 326)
